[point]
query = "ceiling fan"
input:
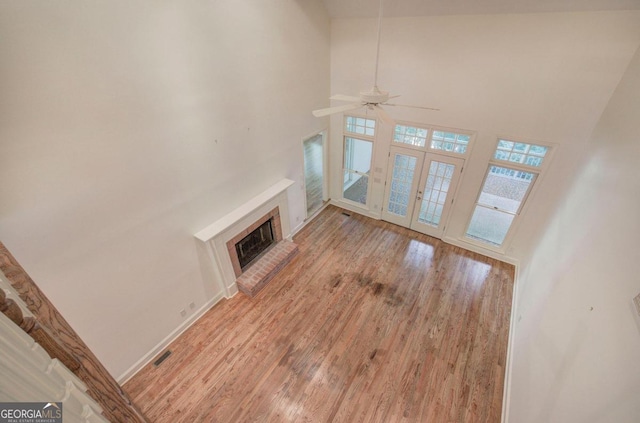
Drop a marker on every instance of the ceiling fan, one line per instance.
(371, 99)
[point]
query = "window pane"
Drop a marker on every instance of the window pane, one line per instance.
(538, 150)
(505, 145)
(449, 141)
(489, 225)
(505, 188)
(518, 152)
(500, 200)
(410, 135)
(357, 154)
(356, 187)
(360, 126)
(520, 147)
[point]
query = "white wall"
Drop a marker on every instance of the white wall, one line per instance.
(537, 77)
(126, 127)
(576, 343)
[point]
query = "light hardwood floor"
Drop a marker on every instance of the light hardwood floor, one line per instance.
(371, 322)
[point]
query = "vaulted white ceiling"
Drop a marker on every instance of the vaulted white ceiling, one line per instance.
(399, 8)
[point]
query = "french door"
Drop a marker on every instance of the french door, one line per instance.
(420, 188)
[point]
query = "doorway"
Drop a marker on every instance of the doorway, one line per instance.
(420, 189)
(313, 149)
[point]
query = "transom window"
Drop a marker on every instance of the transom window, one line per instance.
(361, 126)
(439, 140)
(410, 135)
(450, 141)
(519, 152)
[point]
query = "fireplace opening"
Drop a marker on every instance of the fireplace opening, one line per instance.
(254, 244)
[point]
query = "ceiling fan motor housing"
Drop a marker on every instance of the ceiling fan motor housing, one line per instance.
(374, 96)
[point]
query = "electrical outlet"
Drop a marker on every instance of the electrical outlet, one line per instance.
(183, 312)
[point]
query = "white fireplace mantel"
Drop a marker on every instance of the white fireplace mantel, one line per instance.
(215, 263)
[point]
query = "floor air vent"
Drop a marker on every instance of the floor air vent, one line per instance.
(162, 358)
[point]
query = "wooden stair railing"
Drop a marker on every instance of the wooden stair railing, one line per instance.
(47, 327)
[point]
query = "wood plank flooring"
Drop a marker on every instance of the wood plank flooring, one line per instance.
(370, 323)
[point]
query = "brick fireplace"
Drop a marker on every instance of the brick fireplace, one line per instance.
(262, 269)
(216, 244)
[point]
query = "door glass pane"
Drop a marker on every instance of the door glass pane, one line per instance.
(357, 166)
(500, 200)
(401, 179)
(435, 192)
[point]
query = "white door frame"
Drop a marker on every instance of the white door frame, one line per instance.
(325, 169)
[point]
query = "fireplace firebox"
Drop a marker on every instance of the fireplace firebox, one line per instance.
(253, 245)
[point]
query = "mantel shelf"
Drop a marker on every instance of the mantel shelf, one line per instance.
(226, 221)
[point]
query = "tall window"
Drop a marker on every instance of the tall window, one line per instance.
(512, 172)
(358, 152)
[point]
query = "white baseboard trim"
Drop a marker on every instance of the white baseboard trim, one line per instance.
(355, 209)
(506, 393)
(480, 250)
(146, 359)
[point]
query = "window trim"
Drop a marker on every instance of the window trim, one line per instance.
(362, 137)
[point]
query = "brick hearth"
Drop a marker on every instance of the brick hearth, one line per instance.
(262, 271)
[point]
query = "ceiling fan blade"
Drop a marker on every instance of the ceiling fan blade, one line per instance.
(343, 97)
(337, 109)
(412, 107)
(384, 116)
(394, 96)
